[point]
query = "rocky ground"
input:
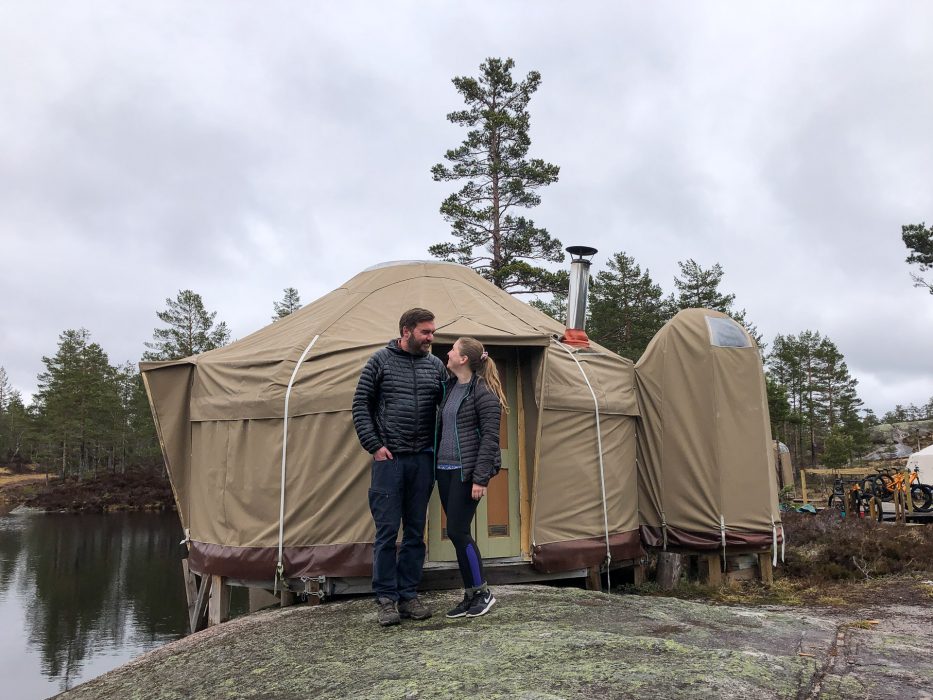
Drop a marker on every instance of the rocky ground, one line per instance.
(899, 440)
(543, 642)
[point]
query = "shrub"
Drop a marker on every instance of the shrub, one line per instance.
(825, 547)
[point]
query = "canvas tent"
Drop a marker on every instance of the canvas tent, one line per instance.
(783, 466)
(254, 489)
(705, 457)
(924, 461)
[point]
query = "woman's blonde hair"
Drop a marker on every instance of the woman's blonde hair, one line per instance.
(483, 365)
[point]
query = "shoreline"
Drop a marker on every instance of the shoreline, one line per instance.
(135, 490)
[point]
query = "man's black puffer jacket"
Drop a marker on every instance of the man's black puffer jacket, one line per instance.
(396, 400)
(477, 431)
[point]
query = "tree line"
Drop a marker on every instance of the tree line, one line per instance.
(90, 415)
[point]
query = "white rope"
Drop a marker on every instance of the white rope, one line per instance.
(773, 543)
(279, 568)
(602, 471)
(722, 532)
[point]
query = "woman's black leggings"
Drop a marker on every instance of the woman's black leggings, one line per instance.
(459, 506)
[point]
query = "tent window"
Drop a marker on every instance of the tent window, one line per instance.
(726, 333)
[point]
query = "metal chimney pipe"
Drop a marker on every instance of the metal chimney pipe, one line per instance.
(579, 284)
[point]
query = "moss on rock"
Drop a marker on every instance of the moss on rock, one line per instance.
(538, 642)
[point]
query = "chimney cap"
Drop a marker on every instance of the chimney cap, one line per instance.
(581, 250)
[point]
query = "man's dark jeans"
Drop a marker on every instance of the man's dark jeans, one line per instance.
(399, 493)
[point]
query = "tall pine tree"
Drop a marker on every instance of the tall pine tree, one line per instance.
(79, 403)
(500, 179)
(698, 288)
(626, 307)
(189, 330)
(919, 240)
(6, 391)
(290, 303)
(821, 393)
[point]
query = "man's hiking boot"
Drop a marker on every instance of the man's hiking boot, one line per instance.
(387, 614)
(482, 602)
(461, 609)
(414, 609)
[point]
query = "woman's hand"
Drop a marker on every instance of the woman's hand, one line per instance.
(478, 492)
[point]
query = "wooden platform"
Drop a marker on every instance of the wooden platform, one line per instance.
(712, 569)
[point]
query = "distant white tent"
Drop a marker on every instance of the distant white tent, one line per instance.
(924, 460)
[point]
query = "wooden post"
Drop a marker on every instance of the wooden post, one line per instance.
(764, 568)
(670, 568)
(524, 492)
(710, 569)
(260, 598)
(900, 506)
(594, 581)
(196, 622)
(286, 598)
(910, 498)
(191, 586)
(218, 609)
(638, 574)
(803, 485)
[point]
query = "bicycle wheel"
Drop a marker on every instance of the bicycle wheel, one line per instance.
(887, 487)
(922, 497)
(928, 490)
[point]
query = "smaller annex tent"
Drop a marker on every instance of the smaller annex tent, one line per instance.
(705, 456)
(923, 460)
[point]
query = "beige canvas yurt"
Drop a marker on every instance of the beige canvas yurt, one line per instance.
(705, 460)
(266, 467)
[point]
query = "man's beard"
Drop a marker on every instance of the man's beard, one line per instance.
(415, 347)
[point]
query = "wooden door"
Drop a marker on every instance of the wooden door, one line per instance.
(496, 527)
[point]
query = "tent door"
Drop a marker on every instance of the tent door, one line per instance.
(496, 526)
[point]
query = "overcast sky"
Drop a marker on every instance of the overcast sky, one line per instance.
(238, 148)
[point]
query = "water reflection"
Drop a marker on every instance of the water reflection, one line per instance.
(89, 592)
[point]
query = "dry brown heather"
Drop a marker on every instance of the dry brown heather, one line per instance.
(103, 493)
(834, 562)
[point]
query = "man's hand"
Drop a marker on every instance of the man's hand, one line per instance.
(382, 454)
(478, 492)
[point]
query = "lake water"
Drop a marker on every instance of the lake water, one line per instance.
(82, 594)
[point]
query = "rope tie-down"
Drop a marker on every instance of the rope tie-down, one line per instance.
(599, 446)
(280, 567)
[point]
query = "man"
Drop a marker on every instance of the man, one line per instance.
(394, 410)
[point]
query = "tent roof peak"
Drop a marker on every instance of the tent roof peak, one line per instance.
(400, 263)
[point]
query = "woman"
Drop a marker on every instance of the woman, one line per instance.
(467, 458)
